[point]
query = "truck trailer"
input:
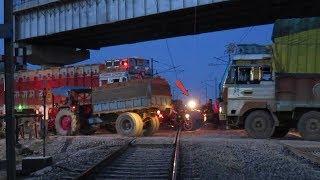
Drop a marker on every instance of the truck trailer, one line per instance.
(269, 90)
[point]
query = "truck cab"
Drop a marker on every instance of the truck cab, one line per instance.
(245, 86)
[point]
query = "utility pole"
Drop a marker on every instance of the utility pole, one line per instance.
(206, 93)
(152, 71)
(216, 93)
(6, 32)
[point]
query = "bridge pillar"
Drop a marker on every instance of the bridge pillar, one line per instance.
(52, 55)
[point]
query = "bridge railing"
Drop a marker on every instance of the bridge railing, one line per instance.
(19, 5)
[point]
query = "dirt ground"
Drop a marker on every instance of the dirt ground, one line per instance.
(205, 153)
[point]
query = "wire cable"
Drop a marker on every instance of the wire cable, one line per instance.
(171, 59)
(245, 35)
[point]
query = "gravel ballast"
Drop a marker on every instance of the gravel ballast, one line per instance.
(210, 157)
(205, 154)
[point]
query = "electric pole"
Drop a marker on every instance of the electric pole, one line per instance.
(7, 34)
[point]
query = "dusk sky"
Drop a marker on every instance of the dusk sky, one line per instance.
(192, 53)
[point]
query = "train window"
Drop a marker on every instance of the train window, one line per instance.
(133, 62)
(31, 94)
(41, 93)
(25, 95)
(116, 63)
(147, 63)
(16, 94)
(116, 80)
(140, 62)
(109, 64)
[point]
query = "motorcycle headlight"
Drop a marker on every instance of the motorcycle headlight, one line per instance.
(187, 116)
(192, 104)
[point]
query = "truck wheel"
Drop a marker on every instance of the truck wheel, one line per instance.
(280, 132)
(129, 124)
(66, 123)
(259, 124)
(309, 126)
(151, 126)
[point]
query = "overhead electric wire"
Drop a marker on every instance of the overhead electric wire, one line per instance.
(245, 35)
(168, 70)
(171, 59)
(161, 63)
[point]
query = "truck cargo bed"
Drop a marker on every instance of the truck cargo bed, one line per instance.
(159, 102)
(133, 95)
(297, 90)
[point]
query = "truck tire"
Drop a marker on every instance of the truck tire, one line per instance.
(309, 126)
(259, 124)
(129, 124)
(280, 132)
(151, 126)
(66, 123)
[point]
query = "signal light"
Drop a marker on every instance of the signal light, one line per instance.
(20, 107)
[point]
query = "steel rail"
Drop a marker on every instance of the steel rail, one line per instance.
(176, 155)
(105, 161)
(108, 160)
(303, 153)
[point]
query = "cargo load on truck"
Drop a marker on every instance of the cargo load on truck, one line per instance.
(135, 94)
(296, 47)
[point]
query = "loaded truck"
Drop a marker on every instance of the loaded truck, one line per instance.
(268, 90)
(130, 108)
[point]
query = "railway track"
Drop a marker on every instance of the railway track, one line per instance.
(138, 161)
(305, 153)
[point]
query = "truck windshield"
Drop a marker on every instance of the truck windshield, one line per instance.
(244, 75)
(248, 75)
(231, 75)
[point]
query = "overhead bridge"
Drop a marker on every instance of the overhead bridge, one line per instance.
(92, 24)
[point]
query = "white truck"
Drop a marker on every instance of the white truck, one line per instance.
(267, 101)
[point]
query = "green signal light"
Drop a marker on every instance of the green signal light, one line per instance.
(20, 107)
